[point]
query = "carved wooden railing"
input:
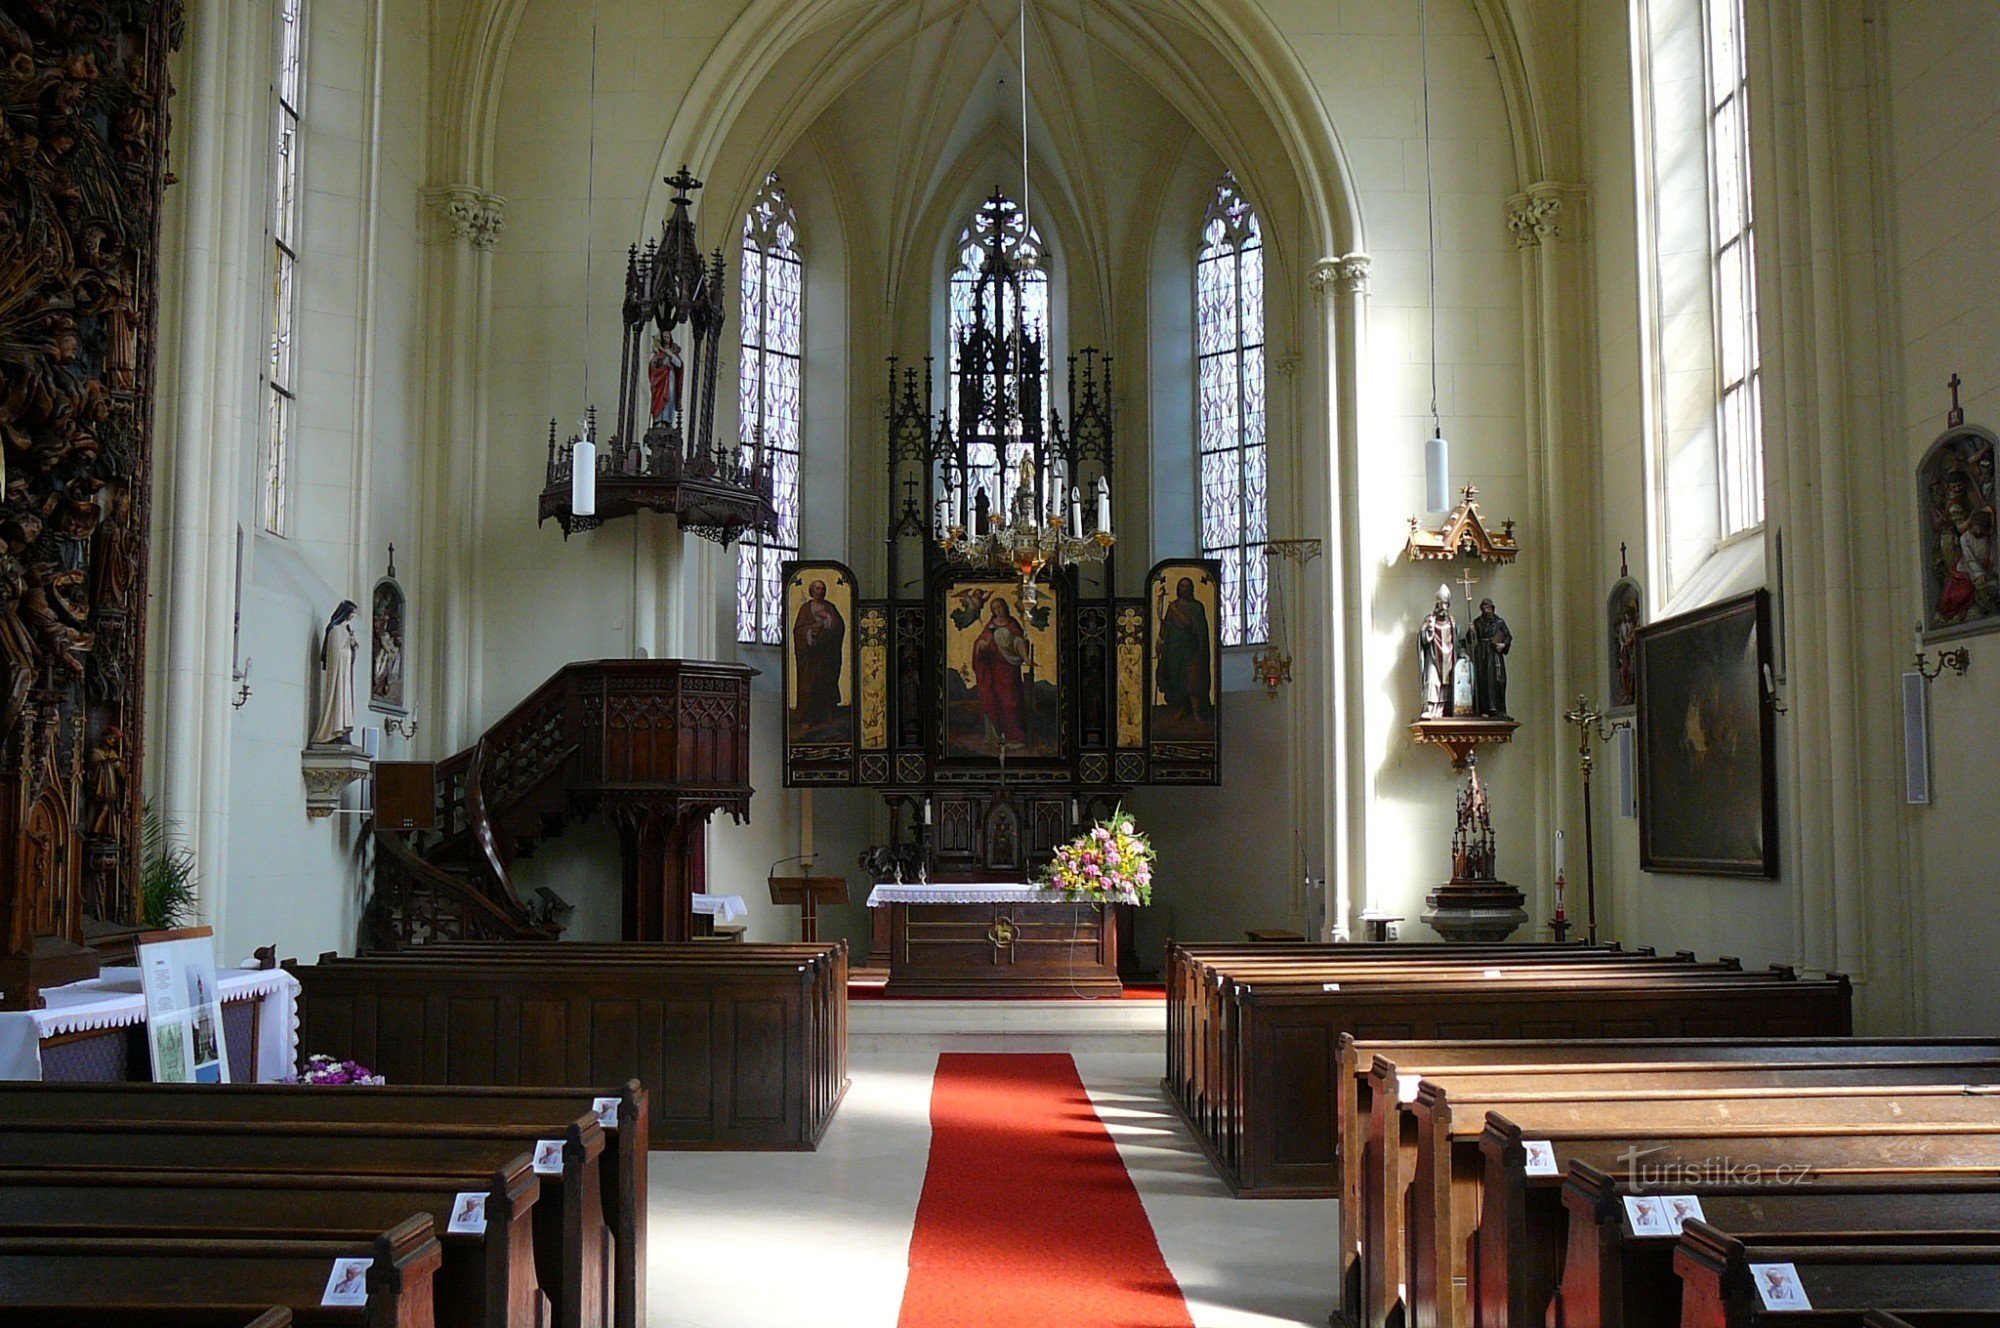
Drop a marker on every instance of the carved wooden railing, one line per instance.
(659, 744)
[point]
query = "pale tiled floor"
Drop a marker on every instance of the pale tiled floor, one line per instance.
(790, 1240)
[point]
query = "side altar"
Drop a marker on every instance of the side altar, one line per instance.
(998, 691)
(996, 940)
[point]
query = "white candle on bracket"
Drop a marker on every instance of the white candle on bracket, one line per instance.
(927, 811)
(1075, 510)
(1104, 505)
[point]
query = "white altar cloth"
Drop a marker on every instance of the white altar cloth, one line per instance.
(113, 999)
(723, 908)
(962, 894)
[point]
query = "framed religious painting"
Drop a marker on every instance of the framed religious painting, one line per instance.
(1708, 793)
(388, 633)
(1624, 615)
(1184, 670)
(821, 709)
(1960, 549)
(1001, 683)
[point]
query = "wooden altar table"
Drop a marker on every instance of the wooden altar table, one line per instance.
(997, 940)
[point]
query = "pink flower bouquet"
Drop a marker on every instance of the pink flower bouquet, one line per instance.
(325, 1070)
(1110, 863)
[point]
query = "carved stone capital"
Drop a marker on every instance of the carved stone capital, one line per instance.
(1286, 365)
(1347, 275)
(461, 214)
(1547, 212)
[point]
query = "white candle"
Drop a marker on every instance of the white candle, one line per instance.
(583, 478)
(1104, 505)
(927, 811)
(1559, 853)
(1075, 510)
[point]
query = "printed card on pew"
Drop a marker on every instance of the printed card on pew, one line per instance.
(1406, 1088)
(468, 1214)
(607, 1111)
(1660, 1214)
(1541, 1157)
(548, 1157)
(347, 1284)
(1778, 1286)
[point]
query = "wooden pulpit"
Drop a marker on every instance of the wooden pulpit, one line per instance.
(808, 892)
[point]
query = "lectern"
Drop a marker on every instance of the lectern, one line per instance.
(808, 892)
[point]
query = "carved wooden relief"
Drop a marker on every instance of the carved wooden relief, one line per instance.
(83, 131)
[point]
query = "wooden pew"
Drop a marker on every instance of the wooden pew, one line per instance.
(111, 1282)
(486, 1280)
(622, 1166)
(734, 1054)
(568, 1219)
(1836, 1137)
(1372, 1218)
(1283, 1136)
(1615, 1278)
(1923, 1285)
(1363, 1116)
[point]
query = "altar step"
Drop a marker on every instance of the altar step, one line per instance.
(921, 1027)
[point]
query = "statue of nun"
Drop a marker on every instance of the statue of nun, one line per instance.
(337, 649)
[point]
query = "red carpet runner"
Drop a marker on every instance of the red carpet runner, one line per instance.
(1028, 1218)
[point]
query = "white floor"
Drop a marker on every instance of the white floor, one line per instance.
(779, 1240)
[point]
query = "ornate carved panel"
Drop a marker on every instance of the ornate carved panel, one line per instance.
(83, 123)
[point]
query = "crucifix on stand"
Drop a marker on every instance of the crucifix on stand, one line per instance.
(1466, 581)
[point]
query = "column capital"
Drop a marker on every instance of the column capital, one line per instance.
(462, 214)
(1346, 275)
(1546, 212)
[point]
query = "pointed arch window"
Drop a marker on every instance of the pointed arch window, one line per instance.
(280, 390)
(1028, 310)
(1739, 424)
(1229, 408)
(773, 321)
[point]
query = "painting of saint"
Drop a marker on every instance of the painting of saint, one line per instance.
(1708, 803)
(385, 675)
(1961, 533)
(1186, 673)
(1002, 680)
(819, 603)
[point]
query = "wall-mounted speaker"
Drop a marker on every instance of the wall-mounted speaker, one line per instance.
(1916, 740)
(1628, 774)
(405, 795)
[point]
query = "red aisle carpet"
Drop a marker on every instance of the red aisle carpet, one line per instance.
(1028, 1219)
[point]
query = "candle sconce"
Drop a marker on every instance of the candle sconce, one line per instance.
(242, 680)
(1590, 721)
(1958, 661)
(401, 726)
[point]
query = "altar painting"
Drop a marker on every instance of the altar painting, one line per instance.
(1185, 672)
(1002, 674)
(819, 655)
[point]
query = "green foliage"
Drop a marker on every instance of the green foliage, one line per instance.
(167, 885)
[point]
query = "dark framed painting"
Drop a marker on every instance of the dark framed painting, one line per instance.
(1184, 671)
(1960, 526)
(1708, 794)
(1624, 615)
(819, 647)
(388, 633)
(1002, 677)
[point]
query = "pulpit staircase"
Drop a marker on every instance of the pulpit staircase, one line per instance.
(657, 745)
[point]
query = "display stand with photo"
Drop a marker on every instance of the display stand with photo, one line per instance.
(183, 1007)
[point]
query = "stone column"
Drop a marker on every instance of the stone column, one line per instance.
(1561, 535)
(462, 224)
(1340, 287)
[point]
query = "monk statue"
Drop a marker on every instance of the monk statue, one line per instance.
(1491, 642)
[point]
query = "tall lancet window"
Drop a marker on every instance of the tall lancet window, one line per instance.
(1029, 311)
(773, 341)
(1740, 422)
(281, 400)
(1229, 347)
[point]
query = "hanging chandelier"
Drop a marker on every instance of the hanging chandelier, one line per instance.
(1026, 542)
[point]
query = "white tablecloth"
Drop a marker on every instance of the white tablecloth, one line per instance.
(723, 908)
(113, 999)
(962, 894)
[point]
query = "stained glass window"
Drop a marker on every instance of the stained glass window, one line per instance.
(1229, 350)
(1030, 309)
(282, 401)
(1739, 424)
(768, 401)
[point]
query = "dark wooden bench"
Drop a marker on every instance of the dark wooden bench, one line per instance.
(1363, 1116)
(1409, 1137)
(1926, 1286)
(111, 1282)
(570, 1234)
(1614, 1277)
(622, 1166)
(734, 1053)
(1836, 1138)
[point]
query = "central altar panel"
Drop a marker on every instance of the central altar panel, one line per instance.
(966, 940)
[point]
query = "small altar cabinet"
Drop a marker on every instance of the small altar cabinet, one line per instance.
(1005, 940)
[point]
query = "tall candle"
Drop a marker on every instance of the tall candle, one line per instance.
(1559, 853)
(927, 811)
(1075, 510)
(1561, 882)
(1104, 505)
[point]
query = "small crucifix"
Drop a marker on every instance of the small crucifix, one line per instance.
(1956, 419)
(1466, 581)
(1624, 567)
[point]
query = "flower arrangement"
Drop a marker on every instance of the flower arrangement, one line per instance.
(325, 1071)
(1109, 863)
